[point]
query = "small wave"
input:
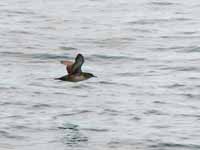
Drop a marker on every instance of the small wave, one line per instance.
(184, 69)
(136, 118)
(175, 37)
(40, 56)
(13, 103)
(176, 85)
(114, 40)
(141, 30)
(69, 126)
(193, 49)
(21, 32)
(73, 113)
(12, 53)
(20, 12)
(150, 21)
(127, 144)
(175, 145)
(113, 83)
(20, 127)
(15, 116)
(49, 56)
(194, 78)
(142, 22)
(67, 48)
(8, 88)
(183, 19)
(162, 3)
(189, 115)
(128, 74)
(155, 112)
(107, 83)
(5, 134)
(39, 106)
(157, 21)
(159, 102)
(189, 95)
(161, 126)
(111, 112)
(168, 48)
(59, 93)
(95, 129)
(187, 33)
(111, 57)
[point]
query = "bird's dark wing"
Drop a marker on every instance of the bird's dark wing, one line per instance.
(76, 67)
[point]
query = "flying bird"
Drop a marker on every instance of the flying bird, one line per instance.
(75, 73)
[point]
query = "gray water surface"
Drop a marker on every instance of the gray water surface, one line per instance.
(146, 54)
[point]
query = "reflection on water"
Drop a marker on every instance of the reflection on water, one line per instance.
(73, 136)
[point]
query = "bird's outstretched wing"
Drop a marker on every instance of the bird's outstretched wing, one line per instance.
(76, 67)
(68, 65)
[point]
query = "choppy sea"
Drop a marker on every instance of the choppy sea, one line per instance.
(145, 53)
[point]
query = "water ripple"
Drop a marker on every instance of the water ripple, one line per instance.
(168, 146)
(73, 135)
(146, 56)
(8, 135)
(162, 3)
